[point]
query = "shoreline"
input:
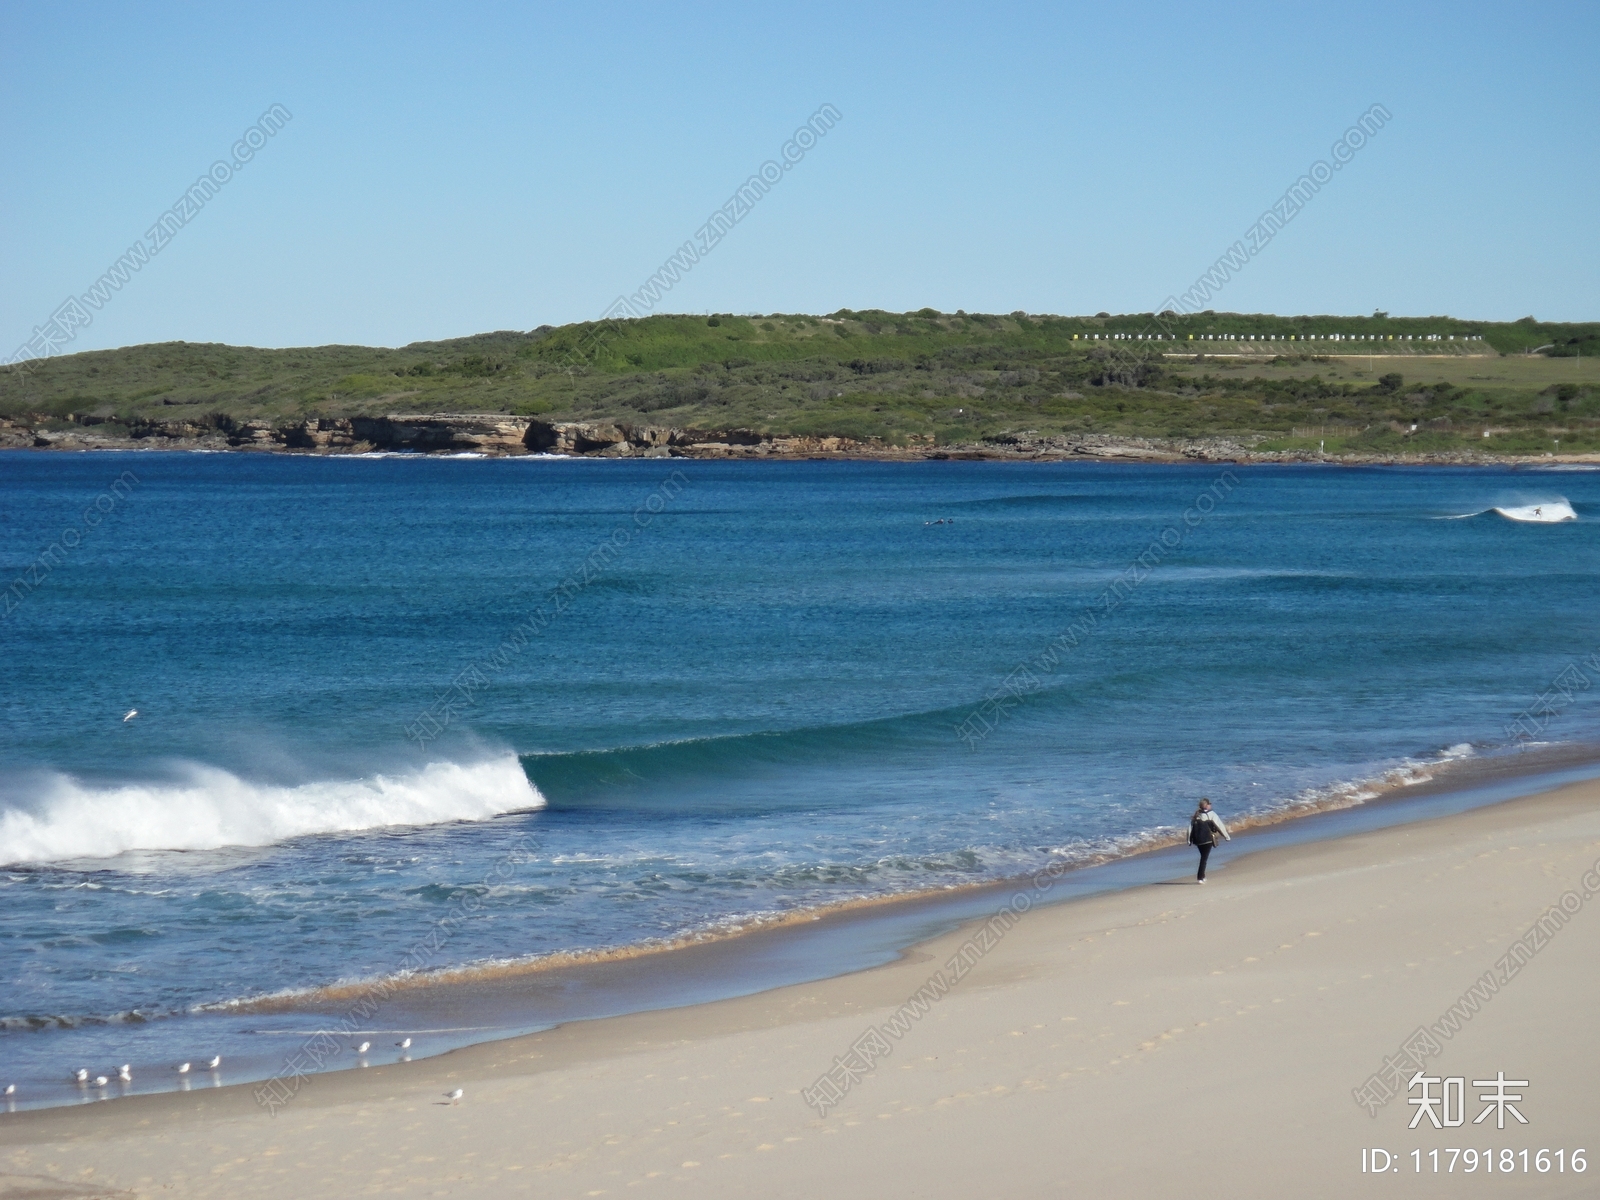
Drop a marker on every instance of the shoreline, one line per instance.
(1109, 1018)
(1397, 785)
(502, 436)
(488, 1004)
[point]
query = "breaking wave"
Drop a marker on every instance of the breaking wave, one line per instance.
(209, 808)
(1550, 512)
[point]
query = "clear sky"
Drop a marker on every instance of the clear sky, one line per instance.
(452, 169)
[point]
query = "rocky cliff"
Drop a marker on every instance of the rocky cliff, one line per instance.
(430, 433)
(498, 434)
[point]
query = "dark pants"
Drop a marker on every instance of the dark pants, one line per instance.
(1205, 853)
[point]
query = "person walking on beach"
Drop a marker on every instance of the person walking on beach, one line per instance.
(1203, 829)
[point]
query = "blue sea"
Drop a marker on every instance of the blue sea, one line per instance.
(552, 706)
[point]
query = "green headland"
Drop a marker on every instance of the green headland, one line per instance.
(1358, 385)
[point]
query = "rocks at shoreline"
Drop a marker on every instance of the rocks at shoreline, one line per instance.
(496, 434)
(436, 433)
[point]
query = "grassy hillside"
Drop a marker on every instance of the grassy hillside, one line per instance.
(958, 377)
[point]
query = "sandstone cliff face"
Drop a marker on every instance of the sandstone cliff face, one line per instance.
(500, 434)
(434, 433)
(623, 440)
(489, 434)
(320, 433)
(14, 435)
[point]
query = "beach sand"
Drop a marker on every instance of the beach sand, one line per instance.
(1166, 1040)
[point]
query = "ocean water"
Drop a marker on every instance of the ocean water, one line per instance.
(740, 690)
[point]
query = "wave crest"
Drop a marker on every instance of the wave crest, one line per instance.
(1550, 512)
(211, 808)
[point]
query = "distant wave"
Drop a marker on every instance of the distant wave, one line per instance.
(1032, 499)
(210, 808)
(1549, 512)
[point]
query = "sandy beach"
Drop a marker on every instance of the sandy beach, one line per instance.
(603, 607)
(1164, 1040)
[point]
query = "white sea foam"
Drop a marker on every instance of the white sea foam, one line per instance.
(1347, 793)
(210, 808)
(1545, 512)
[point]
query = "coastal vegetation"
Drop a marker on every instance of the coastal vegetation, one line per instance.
(1375, 384)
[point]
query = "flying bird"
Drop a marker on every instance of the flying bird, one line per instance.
(455, 1096)
(183, 1068)
(405, 1045)
(132, 713)
(216, 1061)
(364, 1047)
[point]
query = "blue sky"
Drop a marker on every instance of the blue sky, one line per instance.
(451, 170)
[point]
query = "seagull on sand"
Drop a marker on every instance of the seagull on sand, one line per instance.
(405, 1045)
(125, 1073)
(455, 1096)
(132, 713)
(364, 1047)
(216, 1061)
(81, 1075)
(183, 1068)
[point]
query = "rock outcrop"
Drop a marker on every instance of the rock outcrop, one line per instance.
(431, 433)
(435, 433)
(500, 434)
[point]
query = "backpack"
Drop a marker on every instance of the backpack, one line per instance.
(1202, 832)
